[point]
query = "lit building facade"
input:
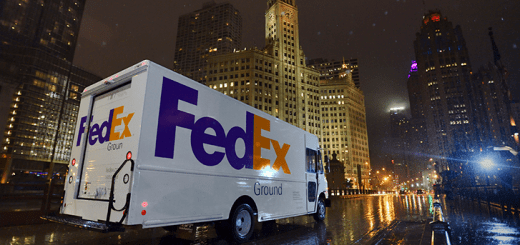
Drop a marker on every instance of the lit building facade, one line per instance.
(344, 130)
(274, 79)
(333, 68)
(278, 81)
(445, 88)
(39, 86)
(214, 29)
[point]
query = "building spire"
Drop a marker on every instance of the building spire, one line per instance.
(272, 2)
(496, 54)
(346, 69)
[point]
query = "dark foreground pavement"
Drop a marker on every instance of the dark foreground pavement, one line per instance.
(374, 219)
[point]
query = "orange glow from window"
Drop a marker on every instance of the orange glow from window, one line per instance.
(436, 17)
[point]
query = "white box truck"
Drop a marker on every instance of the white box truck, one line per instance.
(156, 149)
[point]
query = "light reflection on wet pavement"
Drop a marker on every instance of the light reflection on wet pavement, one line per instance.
(472, 223)
(387, 219)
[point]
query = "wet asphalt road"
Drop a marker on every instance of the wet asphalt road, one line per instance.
(383, 219)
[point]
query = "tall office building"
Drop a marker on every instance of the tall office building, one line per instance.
(418, 149)
(445, 88)
(50, 25)
(496, 125)
(400, 143)
(333, 68)
(39, 87)
(214, 29)
(344, 130)
(274, 79)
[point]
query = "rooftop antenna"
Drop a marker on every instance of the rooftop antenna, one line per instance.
(496, 54)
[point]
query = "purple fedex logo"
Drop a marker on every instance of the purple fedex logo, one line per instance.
(108, 127)
(170, 117)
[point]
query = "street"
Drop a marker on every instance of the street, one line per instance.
(382, 219)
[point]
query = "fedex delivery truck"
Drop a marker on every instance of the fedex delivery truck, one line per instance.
(156, 149)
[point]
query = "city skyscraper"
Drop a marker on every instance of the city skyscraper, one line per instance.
(344, 128)
(39, 87)
(417, 140)
(277, 80)
(214, 29)
(399, 143)
(444, 81)
(274, 79)
(497, 125)
(333, 68)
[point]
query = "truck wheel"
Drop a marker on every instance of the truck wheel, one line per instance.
(172, 228)
(320, 213)
(242, 223)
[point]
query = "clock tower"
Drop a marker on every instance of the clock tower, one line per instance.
(273, 79)
(281, 31)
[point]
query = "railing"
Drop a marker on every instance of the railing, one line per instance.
(440, 228)
(24, 203)
(348, 192)
(506, 199)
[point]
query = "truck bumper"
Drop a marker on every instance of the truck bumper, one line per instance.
(84, 224)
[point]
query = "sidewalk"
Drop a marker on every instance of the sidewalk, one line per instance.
(404, 232)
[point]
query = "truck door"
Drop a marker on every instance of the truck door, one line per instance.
(311, 179)
(109, 139)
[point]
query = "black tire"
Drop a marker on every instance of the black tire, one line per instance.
(242, 223)
(172, 228)
(321, 211)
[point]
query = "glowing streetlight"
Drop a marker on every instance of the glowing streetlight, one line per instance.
(487, 163)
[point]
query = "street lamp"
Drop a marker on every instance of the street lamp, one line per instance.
(487, 163)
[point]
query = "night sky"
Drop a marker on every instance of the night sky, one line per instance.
(116, 34)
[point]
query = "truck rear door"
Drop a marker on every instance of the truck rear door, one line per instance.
(109, 140)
